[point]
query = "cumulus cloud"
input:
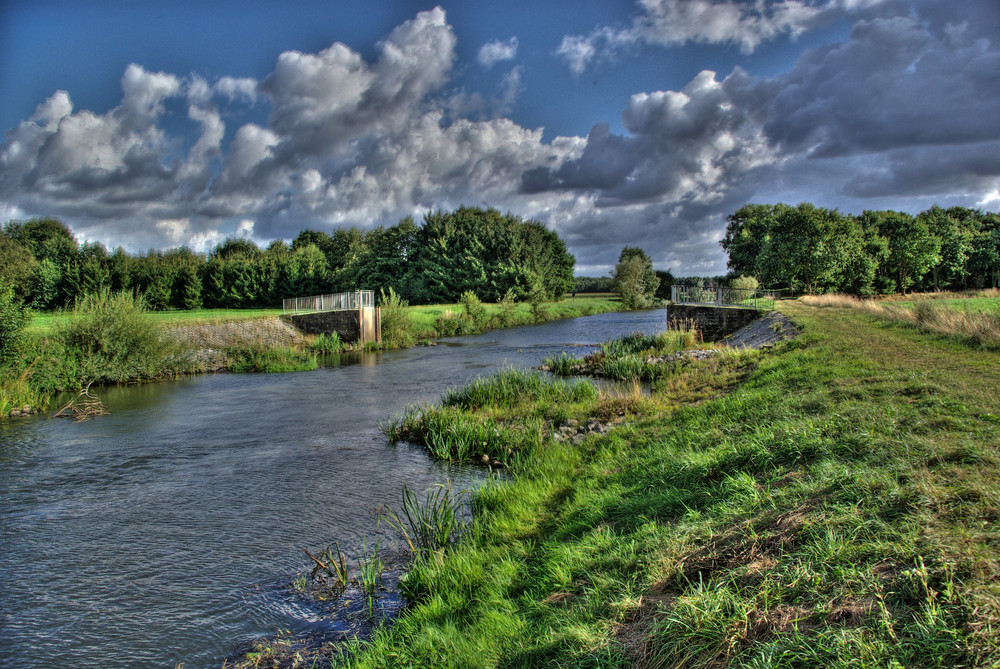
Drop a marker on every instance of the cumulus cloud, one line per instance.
(494, 52)
(908, 106)
(688, 145)
(729, 22)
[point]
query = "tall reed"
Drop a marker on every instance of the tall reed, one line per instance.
(430, 526)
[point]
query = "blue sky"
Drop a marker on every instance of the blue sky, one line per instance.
(148, 124)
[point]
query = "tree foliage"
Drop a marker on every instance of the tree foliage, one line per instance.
(819, 250)
(449, 253)
(634, 278)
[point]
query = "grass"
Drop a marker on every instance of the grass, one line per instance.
(425, 318)
(977, 326)
(53, 360)
(46, 323)
(830, 503)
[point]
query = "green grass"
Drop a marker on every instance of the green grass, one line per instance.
(831, 503)
(969, 304)
(46, 323)
(424, 317)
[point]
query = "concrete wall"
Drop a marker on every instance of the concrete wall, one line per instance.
(359, 324)
(714, 322)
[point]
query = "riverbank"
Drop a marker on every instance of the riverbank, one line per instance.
(828, 503)
(209, 341)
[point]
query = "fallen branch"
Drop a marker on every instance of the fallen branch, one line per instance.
(82, 407)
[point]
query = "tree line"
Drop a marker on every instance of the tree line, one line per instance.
(449, 253)
(817, 250)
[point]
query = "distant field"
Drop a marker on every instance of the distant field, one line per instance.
(45, 323)
(423, 316)
(970, 304)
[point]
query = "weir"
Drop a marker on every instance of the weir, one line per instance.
(718, 312)
(353, 316)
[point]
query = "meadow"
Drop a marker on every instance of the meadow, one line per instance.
(832, 502)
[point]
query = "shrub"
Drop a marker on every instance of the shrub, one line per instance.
(14, 316)
(744, 283)
(397, 330)
(474, 309)
(115, 338)
(504, 318)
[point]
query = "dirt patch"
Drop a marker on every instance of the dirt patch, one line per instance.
(633, 634)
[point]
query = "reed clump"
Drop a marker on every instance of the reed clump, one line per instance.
(115, 339)
(429, 526)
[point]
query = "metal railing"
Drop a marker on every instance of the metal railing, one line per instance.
(357, 299)
(725, 297)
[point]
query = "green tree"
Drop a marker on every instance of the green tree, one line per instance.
(801, 248)
(984, 262)
(747, 232)
(186, 293)
(955, 236)
(912, 249)
(44, 285)
(634, 278)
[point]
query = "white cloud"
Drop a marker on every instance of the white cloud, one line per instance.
(676, 22)
(494, 52)
(351, 140)
(237, 89)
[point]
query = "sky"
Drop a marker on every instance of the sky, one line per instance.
(163, 124)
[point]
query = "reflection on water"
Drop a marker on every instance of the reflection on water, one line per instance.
(168, 530)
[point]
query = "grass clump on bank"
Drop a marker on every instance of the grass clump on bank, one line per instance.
(635, 357)
(833, 503)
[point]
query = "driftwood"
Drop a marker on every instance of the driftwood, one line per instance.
(82, 407)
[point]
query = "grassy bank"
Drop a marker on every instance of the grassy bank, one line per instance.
(54, 358)
(431, 321)
(832, 503)
(971, 319)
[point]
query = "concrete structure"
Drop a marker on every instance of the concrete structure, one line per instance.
(357, 325)
(713, 322)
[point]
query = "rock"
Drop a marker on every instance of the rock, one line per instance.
(485, 459)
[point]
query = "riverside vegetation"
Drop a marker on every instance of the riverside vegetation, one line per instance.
(831, 502)
(112, 338)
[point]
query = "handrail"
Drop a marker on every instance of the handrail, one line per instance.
(757, 298)
(357, 299)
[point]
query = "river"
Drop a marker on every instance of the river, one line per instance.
(169, 531)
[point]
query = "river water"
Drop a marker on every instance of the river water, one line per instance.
(169, 531)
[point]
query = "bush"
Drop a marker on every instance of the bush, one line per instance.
(474, 309)
(504, 318)
(14, 316)
(744, 283)
(115, 339)
(397, 330)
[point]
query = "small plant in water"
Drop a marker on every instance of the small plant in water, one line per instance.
(430, 526)
(370, 570)
(331, 567)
